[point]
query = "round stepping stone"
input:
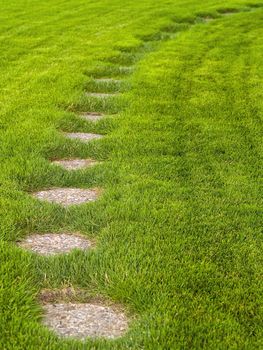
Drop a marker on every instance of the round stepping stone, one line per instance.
(68, 196)
(108, 80)
(207, 19)
(85, 320)
(54, 243)
(126, 69)
(82, 136)
(101, 94)
(92, 116)
(75, 164)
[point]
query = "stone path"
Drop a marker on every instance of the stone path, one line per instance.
(54, 243)
(82, 136)
(94, 117)
(126, 70)
(75, 164)
(67, 196)
(85, 320)
(69, 318)
(108, 80)
(101, 94)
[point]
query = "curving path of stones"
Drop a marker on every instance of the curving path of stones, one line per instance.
(63, 314)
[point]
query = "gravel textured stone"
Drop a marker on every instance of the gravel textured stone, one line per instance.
(108, 80)
(84, 137)
(126, 69)
(101, 94)
(54, 243)
(75, 164)
(68, 196)
(208, 19)
(84, 320)
(94, 117)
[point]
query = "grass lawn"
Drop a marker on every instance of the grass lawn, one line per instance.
(178, 227)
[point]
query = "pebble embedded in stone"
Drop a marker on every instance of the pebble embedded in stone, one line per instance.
(84, 137)
(67, 196)
(85, 320)
(75, 164)
(54, 243)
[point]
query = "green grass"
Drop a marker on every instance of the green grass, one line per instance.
(179, 225)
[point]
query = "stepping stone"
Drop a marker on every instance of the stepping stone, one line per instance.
(54, 243)
(101, 94)
(68, 196)
(207, 19)
(108, 80)
(94, 117)
(75, 164)
(84, 137)
(125, 69)
(225, 14)
(82, 320)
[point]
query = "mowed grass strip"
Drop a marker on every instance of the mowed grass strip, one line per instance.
(178, 228)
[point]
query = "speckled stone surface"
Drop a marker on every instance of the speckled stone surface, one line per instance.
(94, 117)
(68, 196)
(108, 80)
(84, 137)
(84, 320)
(207, 19)
(54, 243)
(126, 69)
(101, 94)
(75, 164)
